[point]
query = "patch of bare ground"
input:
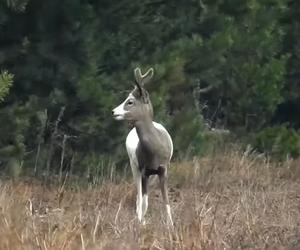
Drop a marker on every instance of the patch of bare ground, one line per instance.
(237, 200)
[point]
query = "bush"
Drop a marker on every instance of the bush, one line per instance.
(6, 80)
(279, 141)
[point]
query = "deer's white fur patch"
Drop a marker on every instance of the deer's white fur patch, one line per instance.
(119, 112)
(144, 206)
(170, 221)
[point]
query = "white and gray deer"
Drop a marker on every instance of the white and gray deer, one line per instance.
(149, 145)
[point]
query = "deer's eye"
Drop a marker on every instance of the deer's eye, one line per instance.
(130, 102)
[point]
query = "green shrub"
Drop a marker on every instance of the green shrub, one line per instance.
(279, 141)
(6, 80)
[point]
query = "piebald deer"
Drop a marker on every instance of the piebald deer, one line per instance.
(149, 145)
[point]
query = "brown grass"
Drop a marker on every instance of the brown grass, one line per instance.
(237, 200)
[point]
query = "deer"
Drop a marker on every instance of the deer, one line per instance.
(149, 145)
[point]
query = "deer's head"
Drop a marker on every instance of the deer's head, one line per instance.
(137, 106)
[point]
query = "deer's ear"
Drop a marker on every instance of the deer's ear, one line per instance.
(147, 76)
(145, 97)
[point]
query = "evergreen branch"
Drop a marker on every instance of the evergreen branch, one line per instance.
(6, 81)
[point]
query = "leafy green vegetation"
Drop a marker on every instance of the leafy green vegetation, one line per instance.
(279, 140)
(6, 80)
(71, 62)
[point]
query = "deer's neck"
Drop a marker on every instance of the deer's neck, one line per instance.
(145, 130)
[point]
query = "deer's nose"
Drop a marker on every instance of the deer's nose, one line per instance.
(112, 112)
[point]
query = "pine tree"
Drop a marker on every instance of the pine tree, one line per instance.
(6, 80)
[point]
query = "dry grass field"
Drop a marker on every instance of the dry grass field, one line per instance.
(237, 200)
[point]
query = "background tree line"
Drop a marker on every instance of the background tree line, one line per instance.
(70, 62)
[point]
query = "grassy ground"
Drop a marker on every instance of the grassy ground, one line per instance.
(234, 201)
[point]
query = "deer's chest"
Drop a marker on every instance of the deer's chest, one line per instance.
(141, 157)
(148, 158)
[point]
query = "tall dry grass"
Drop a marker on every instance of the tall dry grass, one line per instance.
(236, 200)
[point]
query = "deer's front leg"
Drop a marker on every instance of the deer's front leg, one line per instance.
(139, 197)
(164, 191)
(145, 180)
(137, 177)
